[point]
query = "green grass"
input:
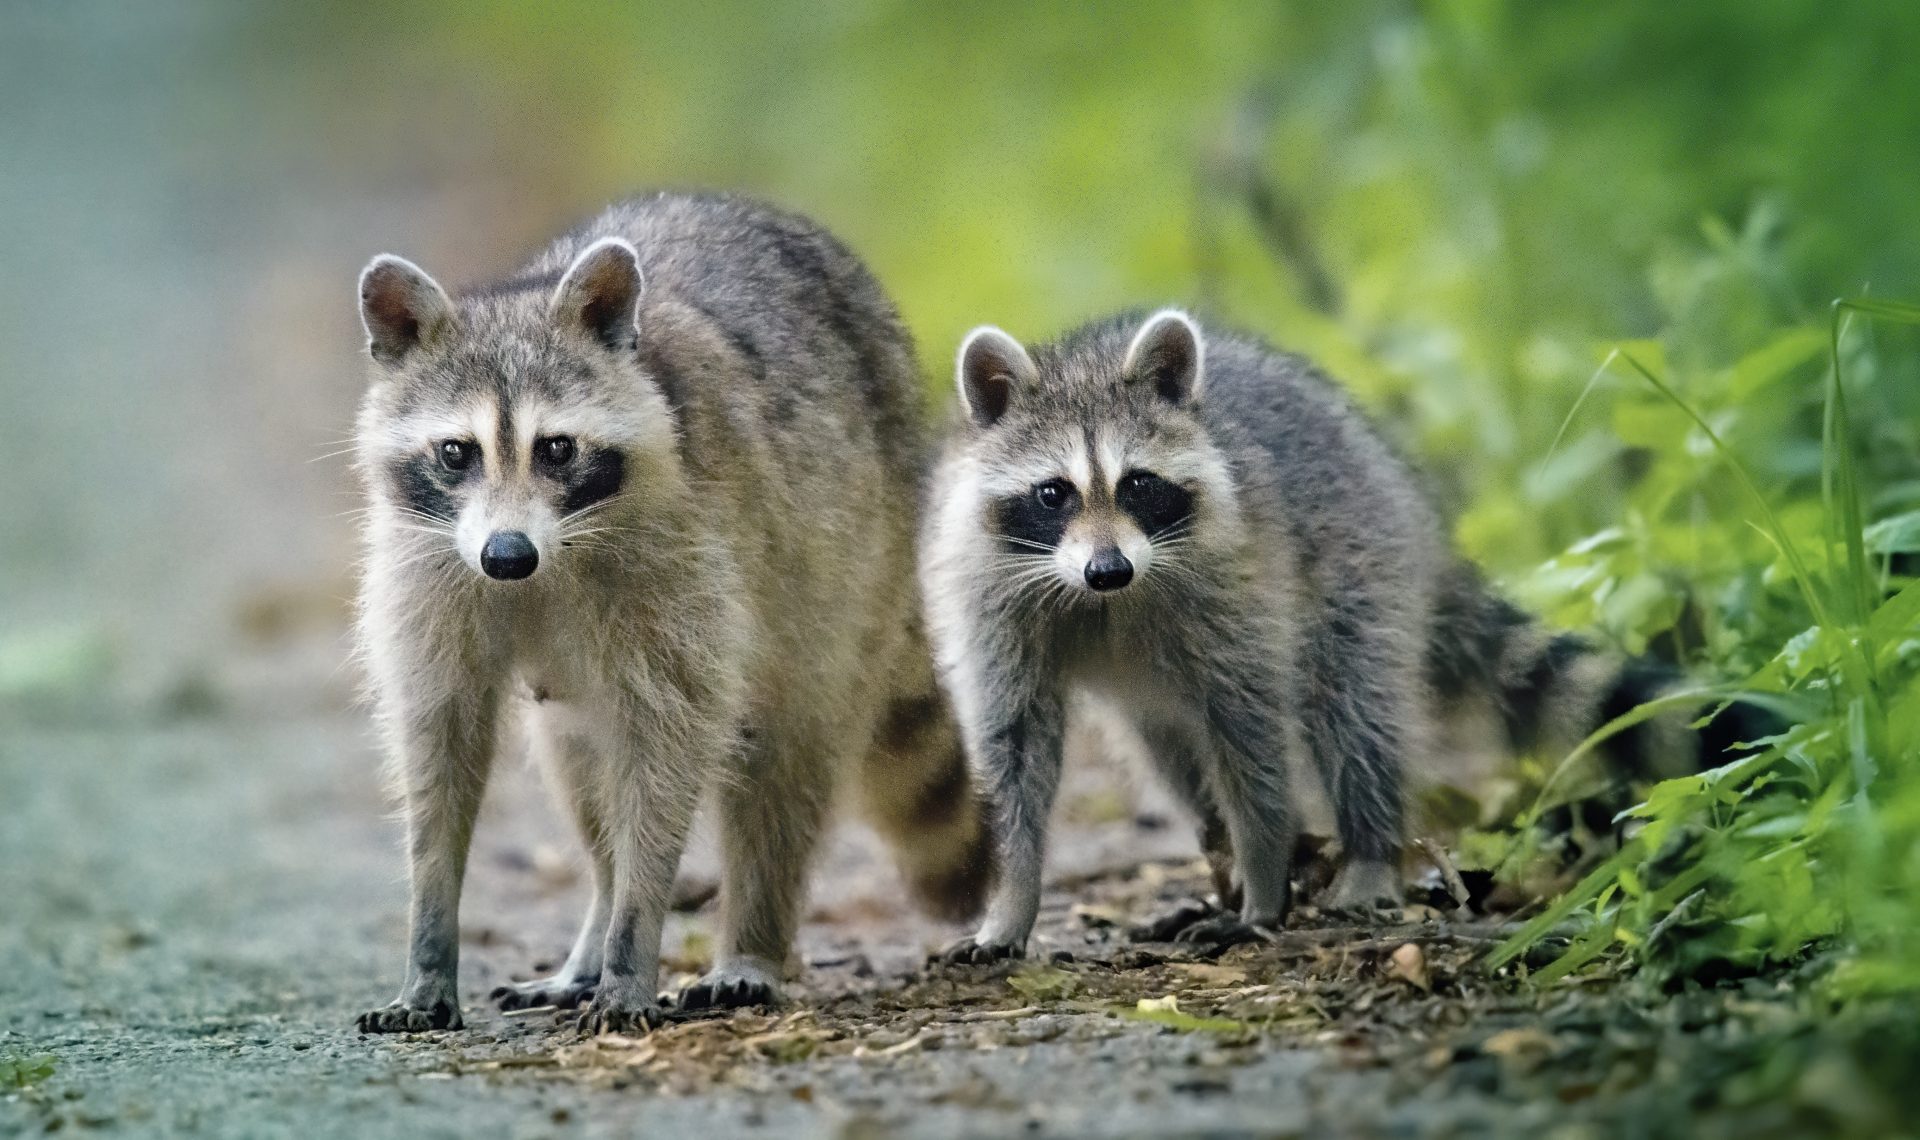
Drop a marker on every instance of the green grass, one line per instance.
(1810, 843)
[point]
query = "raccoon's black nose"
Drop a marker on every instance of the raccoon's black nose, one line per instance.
(508, 554)
(1109, 570)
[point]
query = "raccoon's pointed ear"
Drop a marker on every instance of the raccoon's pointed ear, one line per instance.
(600, 294)
(990, 365)
(1168, 353)
(402, 308)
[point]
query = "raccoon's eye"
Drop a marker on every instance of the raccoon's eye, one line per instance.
(1053, 493)
(554, 450)
(456, 454)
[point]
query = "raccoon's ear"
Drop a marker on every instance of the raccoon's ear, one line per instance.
(401, 307)
(600, 294)
(990, 365)
(1168, 353)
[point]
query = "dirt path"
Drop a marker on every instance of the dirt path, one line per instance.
(191, 916)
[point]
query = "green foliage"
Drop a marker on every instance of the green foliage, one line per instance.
(1814, 838)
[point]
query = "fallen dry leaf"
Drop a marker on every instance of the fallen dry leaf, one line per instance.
(1212, 974)
(1525, 1048)
(1410, 965)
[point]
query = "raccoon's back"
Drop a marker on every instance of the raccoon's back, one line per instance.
(799, 409)
(1309, 461)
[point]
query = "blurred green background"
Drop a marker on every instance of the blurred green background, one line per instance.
(1464, 209)
(1455, 205)
(1577, 257)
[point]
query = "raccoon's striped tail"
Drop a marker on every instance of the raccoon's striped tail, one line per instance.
(1553, 690)
(920, 794)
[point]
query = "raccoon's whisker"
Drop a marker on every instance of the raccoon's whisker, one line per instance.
(599, 530)
(452, 558)
(1016, 541)
(598, 547)
(590, 508)
(1169, 575)
(411, 513)
(1061, 598)
(1018, 577)
(1018, 563)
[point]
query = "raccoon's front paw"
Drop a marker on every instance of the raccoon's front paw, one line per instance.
(620, 1009)
(974, 951)
(733, 985)
(429, 1001)
(1174, 923)
(403, 1017)
(558, 991)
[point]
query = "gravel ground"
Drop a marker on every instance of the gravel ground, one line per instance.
(193, 912)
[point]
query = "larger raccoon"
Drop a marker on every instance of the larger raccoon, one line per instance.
(622, 497)
(1206, 534)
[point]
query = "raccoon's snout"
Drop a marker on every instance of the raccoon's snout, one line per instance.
(509, 554)
(1109, 570)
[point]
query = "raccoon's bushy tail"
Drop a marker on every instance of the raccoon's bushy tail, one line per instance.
(1552, 690)
(919, 792)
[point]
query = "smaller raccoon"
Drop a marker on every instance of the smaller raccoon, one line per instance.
(1205, 534)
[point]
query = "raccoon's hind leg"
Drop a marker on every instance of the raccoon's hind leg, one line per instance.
(1176, 754)
(1366, 706)
(770, 818)
(574, 982)
(580, 973)
(1246, 773)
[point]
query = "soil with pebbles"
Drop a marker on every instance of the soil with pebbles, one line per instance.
(192, 913)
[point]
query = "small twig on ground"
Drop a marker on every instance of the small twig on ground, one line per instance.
(1000, 1014)
(1679, 912)
(1449, 874)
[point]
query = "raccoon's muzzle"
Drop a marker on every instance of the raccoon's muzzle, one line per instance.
(509, 555)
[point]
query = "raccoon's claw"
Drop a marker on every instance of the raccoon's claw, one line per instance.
(556, 991)
(1221, 931)
(972, 952)
(619, 1017)
(725, 989)
(1173, 924)
(399, 1017)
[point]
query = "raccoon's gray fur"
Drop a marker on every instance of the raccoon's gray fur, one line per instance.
(651, 500)
(1206, 534)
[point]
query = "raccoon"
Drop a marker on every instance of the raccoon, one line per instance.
(1205, 534)
(620, 502)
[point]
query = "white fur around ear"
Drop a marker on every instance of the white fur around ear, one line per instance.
(600, 294)
(402, 308)
(990, 365)
(1169, 353)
